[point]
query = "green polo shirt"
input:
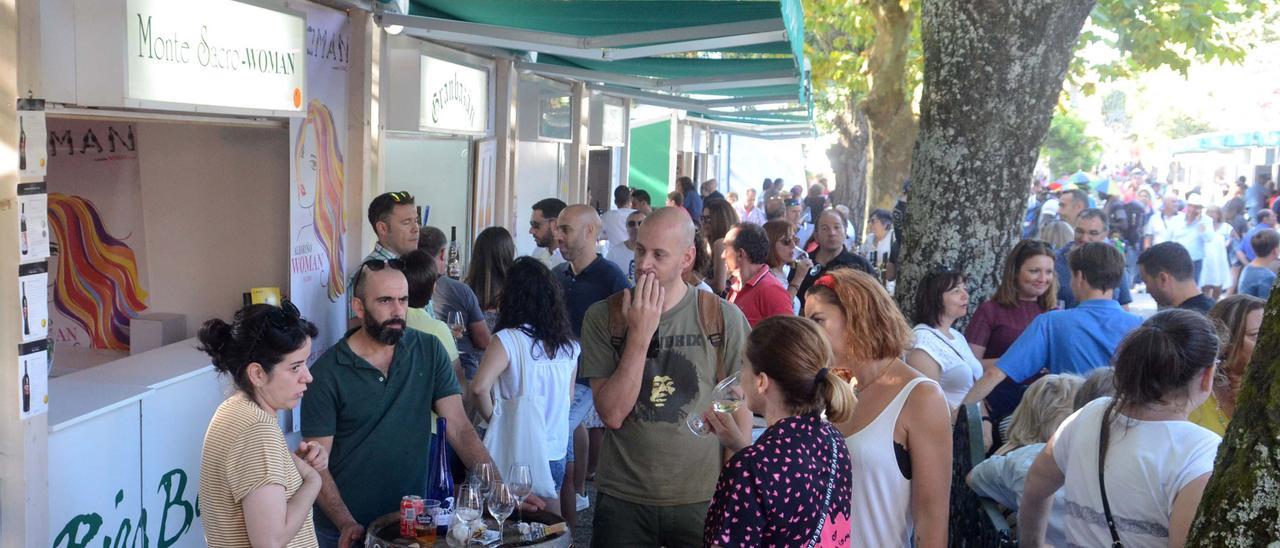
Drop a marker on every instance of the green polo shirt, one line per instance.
(381, 424)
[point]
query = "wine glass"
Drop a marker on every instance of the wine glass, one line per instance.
(726, 398)
(520, 482)
(501, 503)
(482, 475)
(470, 504)
(454, 319)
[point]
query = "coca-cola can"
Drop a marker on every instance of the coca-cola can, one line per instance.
(408, 518)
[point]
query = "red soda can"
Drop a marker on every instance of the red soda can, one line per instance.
(408, 519)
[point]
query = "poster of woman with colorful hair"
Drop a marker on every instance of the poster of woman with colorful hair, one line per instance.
(318, 187)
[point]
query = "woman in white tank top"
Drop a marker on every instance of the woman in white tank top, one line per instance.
(900, 436)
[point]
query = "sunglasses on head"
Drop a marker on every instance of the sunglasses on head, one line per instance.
(400, 197)
(375, 265)
(279, 317)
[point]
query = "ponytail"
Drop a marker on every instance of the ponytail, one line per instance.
(795, 354)
(838, 395)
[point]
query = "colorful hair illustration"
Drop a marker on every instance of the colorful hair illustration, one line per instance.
(329, 215)
(97, 279)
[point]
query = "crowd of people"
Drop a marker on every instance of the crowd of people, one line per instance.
(587, 358)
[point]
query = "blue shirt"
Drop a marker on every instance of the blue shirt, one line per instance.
(693, 204)
(1063, 269)
(1246, 243)
(1256, 281)
(1069, 341)
(595, 283)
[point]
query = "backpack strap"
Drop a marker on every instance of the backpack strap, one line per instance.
(711, 316)
(617, 323)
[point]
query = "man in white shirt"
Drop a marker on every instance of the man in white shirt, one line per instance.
(615, 220)
(752, 212)
(1157, 229)
(1191, 230)
(542, 226)
(624, 254)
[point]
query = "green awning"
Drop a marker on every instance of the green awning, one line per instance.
(713, 57)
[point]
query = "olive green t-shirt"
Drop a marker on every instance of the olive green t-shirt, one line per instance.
(654, 459)
(381, 424)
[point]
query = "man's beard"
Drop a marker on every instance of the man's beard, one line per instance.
(388, 332)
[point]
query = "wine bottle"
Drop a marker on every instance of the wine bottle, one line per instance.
(26, 388)
(22, 228)
(455, 266)
(22, 145)
(440, 482)
(26, 323)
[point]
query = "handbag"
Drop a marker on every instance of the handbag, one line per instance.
(515, 434)
(1102, 486)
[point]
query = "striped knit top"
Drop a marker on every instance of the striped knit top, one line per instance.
(244, 450)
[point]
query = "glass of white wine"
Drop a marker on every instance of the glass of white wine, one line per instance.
(470, 504)
(726, 398)
(501, 503)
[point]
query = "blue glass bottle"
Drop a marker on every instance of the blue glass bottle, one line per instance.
(440, 479)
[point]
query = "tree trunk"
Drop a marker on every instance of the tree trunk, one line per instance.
(849, 161)
(993, 70)
(893, 124)
(1241, 504)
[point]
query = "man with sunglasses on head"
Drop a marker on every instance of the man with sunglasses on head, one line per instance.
(542, 226)
(370, 405)
(395, 222)
(1091, 226)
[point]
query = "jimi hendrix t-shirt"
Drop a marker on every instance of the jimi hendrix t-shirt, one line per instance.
(654, 459)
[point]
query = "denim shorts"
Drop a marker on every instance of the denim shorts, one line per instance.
(578, 410)
(557, 472)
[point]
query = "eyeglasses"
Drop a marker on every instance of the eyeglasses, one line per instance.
(374, 265)
(400, 197)
(633, 224)
(280, 317)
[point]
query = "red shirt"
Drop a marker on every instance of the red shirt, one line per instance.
(761, 297)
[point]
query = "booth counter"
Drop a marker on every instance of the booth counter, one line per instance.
(124, 448)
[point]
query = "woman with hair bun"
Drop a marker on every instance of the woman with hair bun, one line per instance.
(792, 485)
(1133, 466)
(253, 491)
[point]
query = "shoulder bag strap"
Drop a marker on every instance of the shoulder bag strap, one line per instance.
(826, 498)
(1102, 486)
(712, 319)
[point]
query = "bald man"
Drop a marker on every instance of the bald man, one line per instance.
(586, 278)
(660, 478)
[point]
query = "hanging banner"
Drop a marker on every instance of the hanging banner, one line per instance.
(317, 145)
(32, 158)
(455, 98)
(95, 220)
(33, 364)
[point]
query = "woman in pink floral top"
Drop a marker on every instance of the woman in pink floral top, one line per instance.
(790, 488)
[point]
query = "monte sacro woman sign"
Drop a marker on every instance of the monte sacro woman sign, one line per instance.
(215, 52)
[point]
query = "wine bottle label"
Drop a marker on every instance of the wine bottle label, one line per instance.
(441, 517)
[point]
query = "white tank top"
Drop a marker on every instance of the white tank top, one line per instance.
(881, 497)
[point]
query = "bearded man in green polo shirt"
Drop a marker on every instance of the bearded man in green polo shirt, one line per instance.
(370, 405)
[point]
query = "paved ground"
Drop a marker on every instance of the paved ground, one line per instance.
(582, 533)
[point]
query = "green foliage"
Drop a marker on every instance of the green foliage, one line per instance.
(1149, 34)
(1067, 146)
(1133, 36)
(837, 44)
(1178, 124)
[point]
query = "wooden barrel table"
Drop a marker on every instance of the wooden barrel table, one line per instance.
(384, 532)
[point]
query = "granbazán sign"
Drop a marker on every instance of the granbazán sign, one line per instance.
(455, 98)
(216, 52)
